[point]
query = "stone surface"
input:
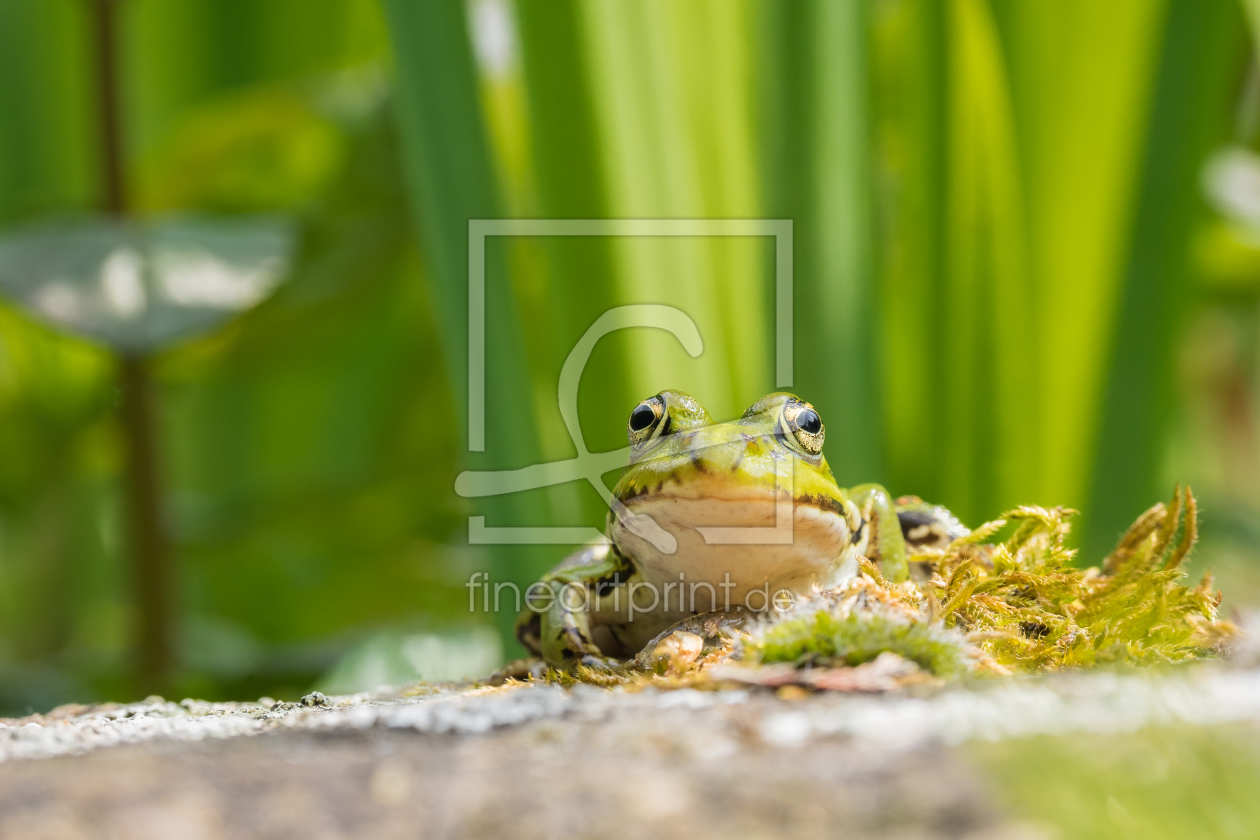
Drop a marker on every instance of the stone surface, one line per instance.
(536, 760)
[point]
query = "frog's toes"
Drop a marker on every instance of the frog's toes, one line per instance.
(531, 667)
(679, 650)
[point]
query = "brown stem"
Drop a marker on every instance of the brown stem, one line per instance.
(103, 31)
(150, 568)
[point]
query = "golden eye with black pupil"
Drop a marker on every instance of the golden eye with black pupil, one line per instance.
(806, 426)
(809, 422)
(647, 421)
(642, 418)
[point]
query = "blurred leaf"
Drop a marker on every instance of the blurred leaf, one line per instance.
(990, 413)
(47, 162)
(451, 181)
(395, 659)
(908, 123)
(632, 115)
(677, 142)
(570, 183)
(1189, 115)
(1081, 77)
(180, 53)
(311, 448)
(264, 149)
(817, 171)
(141, 286)
(1227, 257)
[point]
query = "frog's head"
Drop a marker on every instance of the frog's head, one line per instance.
(741, 494)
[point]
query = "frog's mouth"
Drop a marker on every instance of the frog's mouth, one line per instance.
(741, 539)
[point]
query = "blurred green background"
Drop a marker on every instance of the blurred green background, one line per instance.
(1026, 256)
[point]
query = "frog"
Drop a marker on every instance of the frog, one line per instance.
(732, 518)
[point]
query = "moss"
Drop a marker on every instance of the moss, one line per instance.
(1028, 607)
(826, 638)
(997, 606)
(1021, 602)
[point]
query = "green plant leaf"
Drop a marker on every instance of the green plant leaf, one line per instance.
(1192, 90)
(141, 286)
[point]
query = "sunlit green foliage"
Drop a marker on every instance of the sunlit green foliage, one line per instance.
(985, 193)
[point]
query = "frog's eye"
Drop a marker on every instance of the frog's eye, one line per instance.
(806, 426)
(648, 420)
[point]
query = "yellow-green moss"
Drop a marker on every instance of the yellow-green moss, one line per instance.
(1021, 602)
(825, 638)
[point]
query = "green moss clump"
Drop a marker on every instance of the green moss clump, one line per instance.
(1024, 604)
(823, 637)
(1016, 605)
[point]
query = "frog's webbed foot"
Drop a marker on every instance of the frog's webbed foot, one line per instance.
(685, 641)
(556, 622)
(560, 634)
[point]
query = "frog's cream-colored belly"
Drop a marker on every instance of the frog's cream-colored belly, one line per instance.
(738, 567)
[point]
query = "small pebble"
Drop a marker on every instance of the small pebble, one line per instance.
(269, 702)
(315, 698)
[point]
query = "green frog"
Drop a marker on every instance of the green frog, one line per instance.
(730, 518)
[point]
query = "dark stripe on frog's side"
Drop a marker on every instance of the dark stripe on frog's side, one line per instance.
(821, 502)
(813, 500)
(608, 583)
(620, 574)
(749, 441)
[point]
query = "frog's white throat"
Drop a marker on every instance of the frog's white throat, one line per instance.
(734, 547)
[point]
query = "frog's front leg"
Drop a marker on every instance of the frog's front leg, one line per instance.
(559, 626)
(879, 511)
